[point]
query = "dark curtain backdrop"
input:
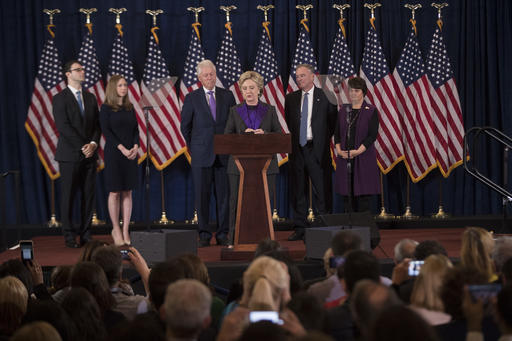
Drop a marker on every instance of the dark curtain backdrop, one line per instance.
(477, 33)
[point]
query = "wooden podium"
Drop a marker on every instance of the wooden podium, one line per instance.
(252, 154)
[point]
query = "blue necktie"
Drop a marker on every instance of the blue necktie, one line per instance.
(303, 137)
(213, 105)
(80, 103)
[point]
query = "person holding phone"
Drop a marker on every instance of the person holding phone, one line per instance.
(120, 128)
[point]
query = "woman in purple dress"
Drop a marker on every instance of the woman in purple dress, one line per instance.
(120, 128)
(357, 174)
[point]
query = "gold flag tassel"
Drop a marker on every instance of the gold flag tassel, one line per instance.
(372, 8)
(196, 24)
(439, 7)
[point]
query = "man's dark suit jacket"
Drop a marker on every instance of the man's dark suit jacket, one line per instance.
(269, 124)
(323, 122)
(75, 130)
(198, 125)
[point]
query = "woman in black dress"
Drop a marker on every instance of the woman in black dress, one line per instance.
(120, 128)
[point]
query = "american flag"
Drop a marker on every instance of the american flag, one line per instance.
(120, 64)
(446, 105)
(381, 93)
(93, 82)
(40, 123)
(273, 91)
(340, 66)
(304, 54)
(228, 65)
(414, 105)
(195, 54)
(167, 142)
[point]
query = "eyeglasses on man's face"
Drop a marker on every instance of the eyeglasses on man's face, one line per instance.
(78, 69)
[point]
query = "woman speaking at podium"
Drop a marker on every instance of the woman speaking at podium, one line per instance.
(250, 117)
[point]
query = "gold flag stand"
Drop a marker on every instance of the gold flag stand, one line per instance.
(383, 214)
(163, 219)
(53, 219)
(440, 212)
(408, 213)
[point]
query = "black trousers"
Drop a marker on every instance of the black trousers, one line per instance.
(303, 165)
(77, 177)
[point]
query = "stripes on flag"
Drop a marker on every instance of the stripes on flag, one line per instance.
(167, 142)
(40, 124)
(93, 82)
(120, 64)
(381, 93)
(304, 54)
(413, 100)
(273, 90)
(446, 106)
(195, 54)
(229, 68)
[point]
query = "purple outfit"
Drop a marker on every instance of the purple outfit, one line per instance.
(252, 115)
(366, 172)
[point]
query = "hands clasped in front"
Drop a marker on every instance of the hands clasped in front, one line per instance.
(255, 131)
(129, 153)
(88, 149)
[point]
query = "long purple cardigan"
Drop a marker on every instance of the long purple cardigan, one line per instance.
(366, 172)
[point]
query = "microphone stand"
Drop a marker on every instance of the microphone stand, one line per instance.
(146, 172)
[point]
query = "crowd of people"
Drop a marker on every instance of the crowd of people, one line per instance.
(428, 297)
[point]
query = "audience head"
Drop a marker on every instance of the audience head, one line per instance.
(36, 331)
(296, 281)
(266, 285)
(60, 277)
(399, 323)
(82, 308)
(110, 260)
(345, 241)
(308, 309)
(266, 245)
(426, 292)
(476, 249)
(199, 268)
(427, 248)
(504, 309)
(90, 276)
(11, 317)
(51, 312)
(369, 299)
(404, 249)
(502, 252)
(360, 265)
(14, 267)
(12, 290)
(187, 308)
(89, 248)
(263, 330)
(165, 273)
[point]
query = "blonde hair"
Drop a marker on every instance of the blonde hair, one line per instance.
(266, 284)
(111, 97)
(426, 292)
(12, 290)
(476, 250)
(255, 77)
(36, 331)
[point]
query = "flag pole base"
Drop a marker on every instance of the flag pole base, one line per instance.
(95, 221)
(54, 222)
(441, 214)
(384, 215)
(408, 214)
(311, 215)
(164, 221)
(194, 220)
(275, 217)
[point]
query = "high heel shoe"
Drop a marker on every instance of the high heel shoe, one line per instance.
(117, 241)
(127, 241)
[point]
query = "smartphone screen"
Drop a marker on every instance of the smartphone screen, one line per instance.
(334, 262)
(27, 250)
(414, 267)
(124, 254)
(271, 316)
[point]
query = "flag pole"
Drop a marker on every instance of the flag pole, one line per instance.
(441, 214)
(163, 219)
(53, 219)
(311, 215)
(383, 214)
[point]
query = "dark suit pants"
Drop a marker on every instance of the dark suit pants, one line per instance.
(306, 164)
(204, 178)
(75, 177)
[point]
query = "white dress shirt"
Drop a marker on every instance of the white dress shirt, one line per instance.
(310, 110)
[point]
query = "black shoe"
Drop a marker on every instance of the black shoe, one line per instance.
(71, 244)
(84, 241)
(203, 243)
(223, 242)
(296, 236)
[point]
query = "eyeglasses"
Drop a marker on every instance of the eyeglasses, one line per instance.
(79, 69)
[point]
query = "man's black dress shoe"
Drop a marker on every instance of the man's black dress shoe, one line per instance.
(203, 243)
(296, 236)
(71, 244)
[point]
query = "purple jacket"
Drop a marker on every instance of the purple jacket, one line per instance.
(366, 172)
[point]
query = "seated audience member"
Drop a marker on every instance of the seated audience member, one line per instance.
(89, 248)
(398, 323)
(368, 300)
(502, 252)
(452, 295)
(36, 331)
(15, 267)
(13, 305)
(426, 293)
(59, 280)
(296, 281)
(186, 309)
(310, 312)
(330, 289)
(85, 313)
(110, 260)
(265, 246)
(477, 247)
(404, 249)
(90, 276)
(427, 248)
(326, 260)
(358, 265)
(51, 312)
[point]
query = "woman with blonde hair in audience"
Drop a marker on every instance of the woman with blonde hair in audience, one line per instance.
(476, 250)
(36, 331)
(13, 305)
(426, 293)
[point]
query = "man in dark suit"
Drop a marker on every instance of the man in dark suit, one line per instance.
(311, 120)
(204, 114)
(75, 111)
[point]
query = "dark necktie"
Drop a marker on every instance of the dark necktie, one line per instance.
(213, 105)
(303, 137)
(80, 103)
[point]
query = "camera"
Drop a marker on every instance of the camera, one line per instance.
(272, 316)
(125, 254)
(334, 262)
(27, 250)
(414, 267)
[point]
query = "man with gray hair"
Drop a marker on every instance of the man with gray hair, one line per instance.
(204, 114)
(404, 249)
(186, 310)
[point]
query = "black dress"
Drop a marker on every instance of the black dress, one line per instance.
(119, 127)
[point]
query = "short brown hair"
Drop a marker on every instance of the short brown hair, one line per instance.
(358, 83)
(111, 95)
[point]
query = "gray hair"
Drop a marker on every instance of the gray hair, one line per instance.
(204, 63)
(401, 252)
(307, 66)
(502, 251)
(187, 305)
